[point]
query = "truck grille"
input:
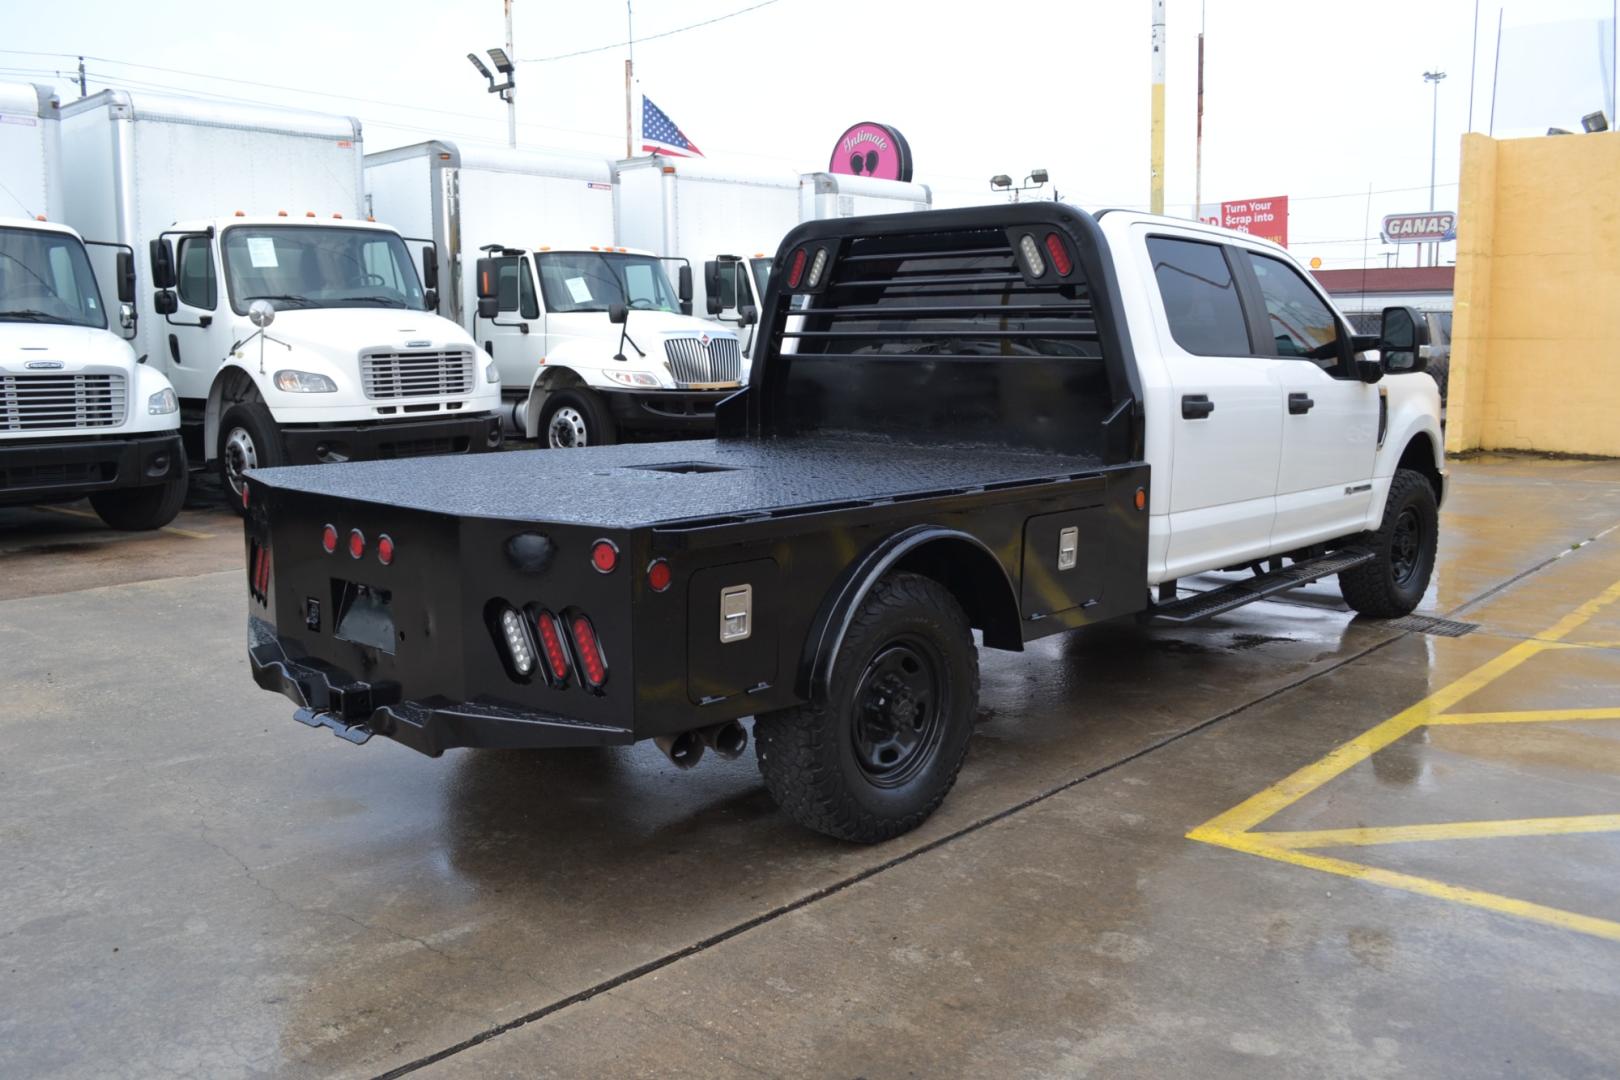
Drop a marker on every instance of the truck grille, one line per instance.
(416, 374)
(690, 362)
(45, 402)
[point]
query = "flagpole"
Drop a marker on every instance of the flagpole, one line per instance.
(629, 69)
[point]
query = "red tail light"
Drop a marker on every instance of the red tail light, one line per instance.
(592, 664)
(357, 543)
(385, 549)
(259, 572)
(552, 647)
(329, 538)
(244, 495)
(604, 556)
(1059, 253)
(659, 575)
(797, 271)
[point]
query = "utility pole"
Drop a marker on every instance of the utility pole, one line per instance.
(511, 106)
(83, 88)
(1157, 200)
(1434, 148)
(629, 73)
(1198, 144)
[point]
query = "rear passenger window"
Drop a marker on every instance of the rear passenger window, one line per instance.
(1200, 297)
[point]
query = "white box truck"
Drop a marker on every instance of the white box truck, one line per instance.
(293, 329)
(78, 416)
(593, 341)
(731, 219)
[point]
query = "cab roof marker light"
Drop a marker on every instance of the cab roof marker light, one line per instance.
(1034, 265)
(817, 267)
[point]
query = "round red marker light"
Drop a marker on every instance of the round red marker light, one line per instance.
(329, 538)
(604, 556)
(385, 549)
(659, 575)
(357, 543)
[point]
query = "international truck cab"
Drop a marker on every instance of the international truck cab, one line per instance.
(346, 362)
(79, 417)
(595, 344)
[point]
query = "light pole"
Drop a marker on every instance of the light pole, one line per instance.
(502, 59)
(1434, 148)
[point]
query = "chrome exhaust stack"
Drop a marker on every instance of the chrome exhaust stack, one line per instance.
(728, 740)
(684, 750)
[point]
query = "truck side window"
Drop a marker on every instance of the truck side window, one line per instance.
(728, 285)
(1200, 297)
(195, 276)
(1302, 324)
(515, 287)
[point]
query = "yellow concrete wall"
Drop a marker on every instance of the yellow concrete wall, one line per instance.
(1535, 361)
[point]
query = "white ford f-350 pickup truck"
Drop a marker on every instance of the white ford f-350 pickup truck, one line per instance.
(1016, 419)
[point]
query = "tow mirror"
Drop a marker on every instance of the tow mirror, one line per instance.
(747, 315)
(1403, 341)
(618, 314)
(126, 277)
(164, 302)
(161, 255)
(711, 287)
(430, 269)
(488, 302)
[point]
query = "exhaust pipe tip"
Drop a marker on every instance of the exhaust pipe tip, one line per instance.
(728, 740)
(684, 750)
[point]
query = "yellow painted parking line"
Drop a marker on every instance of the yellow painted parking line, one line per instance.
(1369, 835)
(1528, 716)
(1234, 829)
(189, 534)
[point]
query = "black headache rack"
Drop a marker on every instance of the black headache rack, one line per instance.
(999, 325)
(929, 398)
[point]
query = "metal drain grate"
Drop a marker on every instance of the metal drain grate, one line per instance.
(1425, 624)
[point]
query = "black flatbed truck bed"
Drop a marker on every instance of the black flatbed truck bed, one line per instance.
(933, 437)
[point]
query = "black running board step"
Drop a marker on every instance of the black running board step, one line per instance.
(1227, 597)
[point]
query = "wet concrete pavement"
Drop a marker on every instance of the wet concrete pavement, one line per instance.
(192, 883)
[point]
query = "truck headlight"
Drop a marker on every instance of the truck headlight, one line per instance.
(304, 382)
(633, 378)
(162, 403)
(492, 374)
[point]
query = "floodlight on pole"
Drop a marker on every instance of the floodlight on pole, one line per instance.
(1039, 176)
(479, 64)
(1434, 144)
(502, 59)
(1594, 122)
(502, 62)
(1000, 181)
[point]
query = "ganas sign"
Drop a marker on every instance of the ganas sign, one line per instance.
(1436, 225)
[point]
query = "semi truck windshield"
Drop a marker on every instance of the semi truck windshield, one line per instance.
(590, 281)
(312, 266)
(46, 277)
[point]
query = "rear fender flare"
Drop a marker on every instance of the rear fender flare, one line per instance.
(980, 584)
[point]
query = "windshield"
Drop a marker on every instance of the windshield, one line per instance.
(762, 274)
(46, 277)
(590, 281)
(313, 266)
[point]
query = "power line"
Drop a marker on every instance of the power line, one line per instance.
(649, 37)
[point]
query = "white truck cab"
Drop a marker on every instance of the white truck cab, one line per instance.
(79, 417)
(342, 363)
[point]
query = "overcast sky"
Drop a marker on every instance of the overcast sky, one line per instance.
(1315, 100)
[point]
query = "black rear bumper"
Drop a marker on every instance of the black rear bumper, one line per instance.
(680, 411)
(392, 439)
(55, 470)
(356, 710)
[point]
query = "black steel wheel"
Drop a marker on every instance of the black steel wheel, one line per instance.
(1393, 583)
(880, 753)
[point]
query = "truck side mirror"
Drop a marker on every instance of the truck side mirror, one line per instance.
(488, 300)
(126, 277)
(164, 302)
(1403, 341)
(747, 315)
(430, 300)
(711, 286)
(430, 270)
(161, 256)
(683, 286)
(618, 314)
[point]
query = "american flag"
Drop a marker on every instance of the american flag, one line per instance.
(660, 135)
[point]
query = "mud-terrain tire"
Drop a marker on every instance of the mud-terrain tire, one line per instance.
(142, 509)
(1394, 581)
(881, 753)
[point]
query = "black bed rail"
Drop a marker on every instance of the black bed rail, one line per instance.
(936, 325)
